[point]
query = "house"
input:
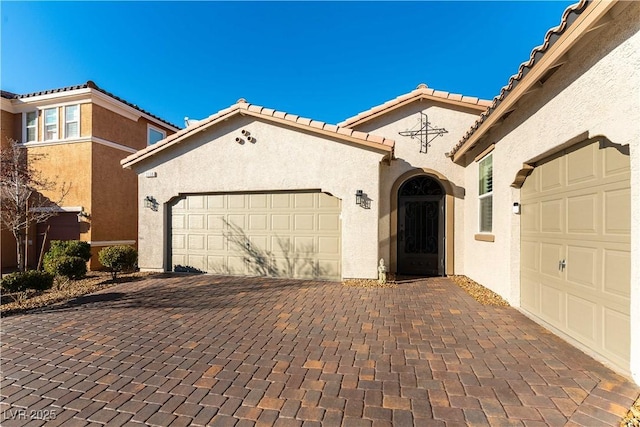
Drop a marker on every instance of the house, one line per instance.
(535, 195)
(83, 132)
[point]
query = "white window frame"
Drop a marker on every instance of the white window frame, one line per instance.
(25, 126)
(149, 129)
(72, 121)
(44, 124)
(483, 196)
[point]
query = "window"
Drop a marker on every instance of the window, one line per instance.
(31, 126)
(154, 135)
(486, 194)
(72, 121)
(50, 124)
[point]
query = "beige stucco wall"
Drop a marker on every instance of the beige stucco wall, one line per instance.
(280, 159)
(597, 91)
(456, 121)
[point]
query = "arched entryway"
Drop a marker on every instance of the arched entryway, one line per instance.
(421, 227)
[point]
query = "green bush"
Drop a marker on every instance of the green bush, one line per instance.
(72, 267)
(118, 259)
(32, 279)
(70, 248)
(64, 256)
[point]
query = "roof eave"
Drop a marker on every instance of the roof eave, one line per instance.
(360, 119)
(550, 59)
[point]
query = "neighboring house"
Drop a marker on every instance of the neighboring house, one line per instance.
(83, 132)
(539, 200)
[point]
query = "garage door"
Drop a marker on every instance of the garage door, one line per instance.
(275, 234)
(575, 237)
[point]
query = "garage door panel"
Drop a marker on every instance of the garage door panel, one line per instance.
(550, 254)
(616, 333)
(530, 294)
(215, 202)
(328, 245)
(328, 222)
(196, 242)
(281, 201)
(178, 241)
(530, 222)
(328, 202)
(280, 222)
(215, 242)
(581, 266)
(551, 176)
(617, 272)
(236, 201)
(258, 201)
(582, 214)
(258, 222)
(196, 222)
(197, 261)
(530, 256)
(178, 222)
(196, 202)
(239, 221)
(581, 318)
(552, 216)
(615, 162)
(290, 234)
(304, 200)
(584, 217)
(304, 222)
(581, 165)
(215, 222)
(552, 303)
(617, 211)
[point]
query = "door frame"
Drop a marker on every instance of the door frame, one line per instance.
(449, 205)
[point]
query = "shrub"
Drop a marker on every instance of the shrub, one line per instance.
(118, 259)
(64, 256)
(72, 267)
(32, 279)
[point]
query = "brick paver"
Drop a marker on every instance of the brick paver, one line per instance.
(207, 350)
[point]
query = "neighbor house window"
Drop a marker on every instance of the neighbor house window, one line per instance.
(154, 135)
(486, 194)
(50, 124)
(31, 126)
(72, 121)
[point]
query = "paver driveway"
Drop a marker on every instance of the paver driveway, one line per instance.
(199, 350)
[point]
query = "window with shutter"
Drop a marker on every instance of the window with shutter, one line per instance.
(486, 194)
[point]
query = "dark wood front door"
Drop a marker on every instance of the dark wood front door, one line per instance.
(421, 228)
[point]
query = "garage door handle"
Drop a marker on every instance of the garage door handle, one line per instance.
(562, 264)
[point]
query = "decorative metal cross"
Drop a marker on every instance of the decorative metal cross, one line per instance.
(425, 134)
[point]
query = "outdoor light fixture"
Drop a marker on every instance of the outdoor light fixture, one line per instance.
(246, 132)
(151, 203)
(83, 216)
(358, 197)
(240, 140)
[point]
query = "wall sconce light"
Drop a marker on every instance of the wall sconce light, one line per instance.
(359, 197)
(83, 216)
(151, 203)
(516, 208)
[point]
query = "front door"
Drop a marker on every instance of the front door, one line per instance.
(421, 228)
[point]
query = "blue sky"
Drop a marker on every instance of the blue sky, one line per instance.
(324, 60)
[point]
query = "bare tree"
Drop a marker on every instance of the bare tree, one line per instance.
(21, 200)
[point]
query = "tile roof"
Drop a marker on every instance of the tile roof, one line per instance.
(568, 17)
(88, 85)
(421, 92)
(245, 108)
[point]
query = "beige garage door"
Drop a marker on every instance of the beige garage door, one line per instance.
(276, 234)
(575, 247)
